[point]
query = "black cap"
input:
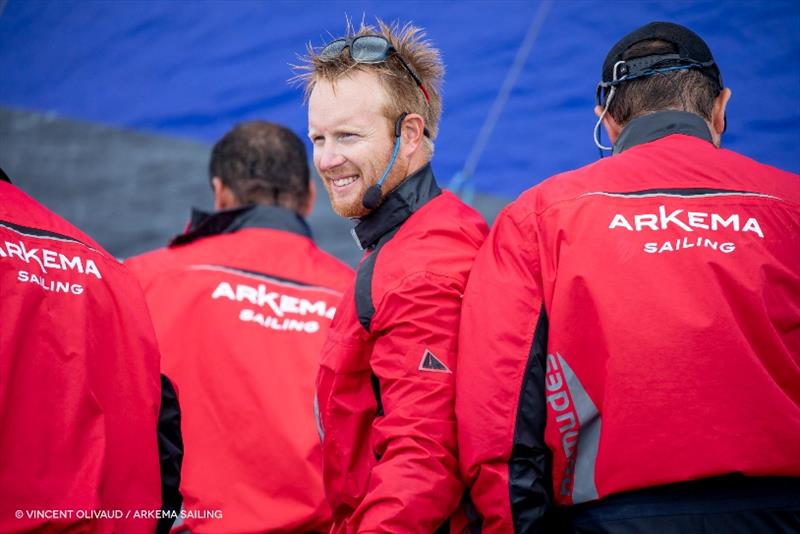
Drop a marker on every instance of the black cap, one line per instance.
(693, 52)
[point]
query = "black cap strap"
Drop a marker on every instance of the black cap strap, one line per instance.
(648, 65)
(641, 67)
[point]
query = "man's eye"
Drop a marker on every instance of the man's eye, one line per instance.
(347, 135)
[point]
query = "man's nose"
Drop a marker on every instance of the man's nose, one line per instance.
(329, 157)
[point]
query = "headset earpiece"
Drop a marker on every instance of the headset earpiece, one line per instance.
(372, 197)
(398, 124)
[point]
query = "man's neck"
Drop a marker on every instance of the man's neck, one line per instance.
(654, 126)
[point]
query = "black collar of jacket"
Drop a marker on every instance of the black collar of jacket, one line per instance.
(412, 193)
(205, 224)
(657, 125)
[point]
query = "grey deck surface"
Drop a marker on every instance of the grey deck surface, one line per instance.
(131, 191)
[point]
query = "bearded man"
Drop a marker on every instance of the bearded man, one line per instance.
(385, 387)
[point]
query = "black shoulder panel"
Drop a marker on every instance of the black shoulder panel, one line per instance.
(529, 468)
(170, 451)
(364, 304)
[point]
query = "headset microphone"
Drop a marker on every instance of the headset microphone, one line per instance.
(372, 197)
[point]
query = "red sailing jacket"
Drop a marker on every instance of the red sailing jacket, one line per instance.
(79, 381)
(241, 305)
(386, 384)
(638, 319)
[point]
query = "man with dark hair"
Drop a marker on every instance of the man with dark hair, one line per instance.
(694, 90)
(630, 343)
(241, 303)
(385, 386)
(261, 163)
(80, 426)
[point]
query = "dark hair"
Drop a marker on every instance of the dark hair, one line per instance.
(262, 163)
(689, 90)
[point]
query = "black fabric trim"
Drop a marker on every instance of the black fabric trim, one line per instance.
(376, 389)
(363, 292)
(364, 305)
(673, 504)
(205, 224)
(445, 528)
(657, 125)
(37, 232)
(530, 464)
(412, 193)
(170, 452)
(474, 520)
(685, 192)
(4, 177)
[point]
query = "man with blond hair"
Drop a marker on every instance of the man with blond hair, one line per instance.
(385, 387)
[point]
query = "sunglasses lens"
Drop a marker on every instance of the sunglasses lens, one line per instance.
(333, 49)
(370, 49)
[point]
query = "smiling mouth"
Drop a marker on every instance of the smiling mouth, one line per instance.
(343, 182)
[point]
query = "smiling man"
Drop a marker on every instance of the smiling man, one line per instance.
(385, 387)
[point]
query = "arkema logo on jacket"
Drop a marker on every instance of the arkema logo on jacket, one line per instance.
(43, 261)
(275, 309)
(49, 259)
(694, 222)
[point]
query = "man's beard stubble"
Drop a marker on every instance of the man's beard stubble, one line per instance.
(355, 209)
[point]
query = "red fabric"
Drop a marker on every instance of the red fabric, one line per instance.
(79, 380)
(691, 354)
(418, 279)
(247, 390)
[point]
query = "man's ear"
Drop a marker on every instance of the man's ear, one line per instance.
(411, 134)
(612, 128)
(718, 112)
(306, 210)
(224, 198)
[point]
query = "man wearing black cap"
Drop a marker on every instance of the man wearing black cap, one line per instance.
(629, 352)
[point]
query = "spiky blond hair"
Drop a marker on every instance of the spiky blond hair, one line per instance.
(403, 94)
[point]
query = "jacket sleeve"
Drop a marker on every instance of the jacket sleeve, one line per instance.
(170, 451)
(500, 403)
(415, 485)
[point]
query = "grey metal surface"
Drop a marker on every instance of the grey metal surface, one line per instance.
(131, 191)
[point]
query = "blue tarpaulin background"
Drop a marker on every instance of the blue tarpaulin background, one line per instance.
(192, 69)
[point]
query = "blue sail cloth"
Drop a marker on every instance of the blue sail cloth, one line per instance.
(193, 69)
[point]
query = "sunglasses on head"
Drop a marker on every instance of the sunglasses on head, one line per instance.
(370, 49)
